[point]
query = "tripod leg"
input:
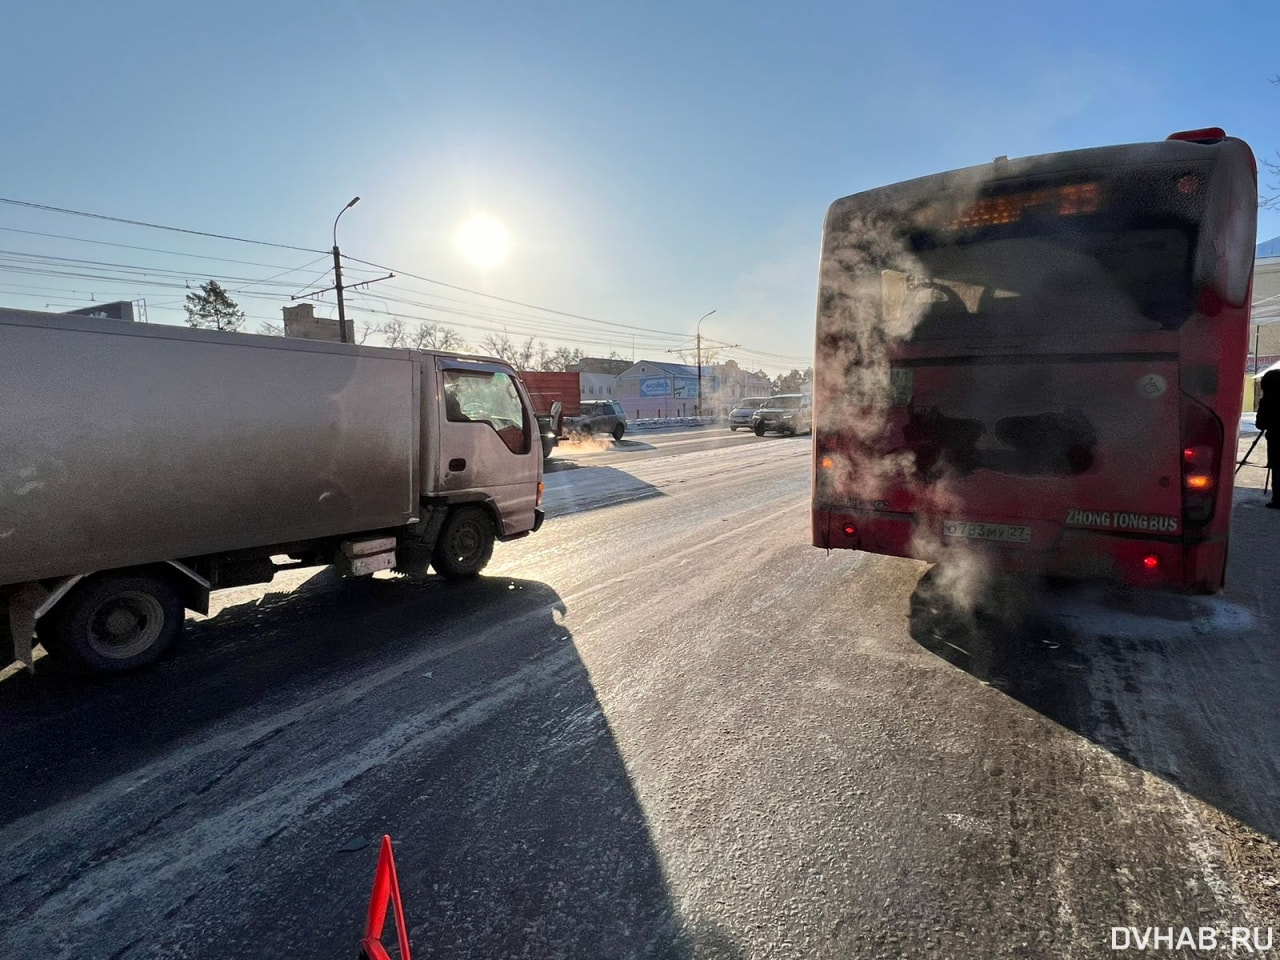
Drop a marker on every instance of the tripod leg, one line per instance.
(1249, 452)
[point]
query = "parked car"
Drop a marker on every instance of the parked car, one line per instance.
(740, 416)
(789, 413)
(599, 416)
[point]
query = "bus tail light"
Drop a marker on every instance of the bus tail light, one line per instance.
(1151, 563)
(850, 530)
(1201, 457)
(1197, 468)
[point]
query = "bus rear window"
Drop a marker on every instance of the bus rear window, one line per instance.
(1088, 280)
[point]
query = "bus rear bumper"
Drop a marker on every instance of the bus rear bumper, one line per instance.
(1074, 555)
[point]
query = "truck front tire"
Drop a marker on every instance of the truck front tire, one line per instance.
(465, 544)
(114, 623)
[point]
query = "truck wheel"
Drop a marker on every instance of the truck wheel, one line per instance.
(618, 431)
(465, 544)
(114, 623)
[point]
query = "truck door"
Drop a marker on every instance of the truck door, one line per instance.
(486, 443)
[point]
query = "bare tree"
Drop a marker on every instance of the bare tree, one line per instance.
(1272, 200)
(433, 336)
(271, 330)
(421, 336)
(559, 359)
(393, 332)
(520, 356)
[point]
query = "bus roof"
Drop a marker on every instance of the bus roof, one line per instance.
(1046, 164)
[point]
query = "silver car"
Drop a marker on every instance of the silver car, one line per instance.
(740, 416)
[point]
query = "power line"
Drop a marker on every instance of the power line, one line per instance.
(154, 226)
(548, 328)
(11, 262)
(131, 246)
(277, 276)
(220, 236)
(176, 275)
(503, 329)
(518, 303)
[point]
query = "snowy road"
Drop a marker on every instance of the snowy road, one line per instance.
(664, 726)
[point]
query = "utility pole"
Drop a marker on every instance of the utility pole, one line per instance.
(697, 408)
(344, 335)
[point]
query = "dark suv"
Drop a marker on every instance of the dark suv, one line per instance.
(786, 413)
(598, 416)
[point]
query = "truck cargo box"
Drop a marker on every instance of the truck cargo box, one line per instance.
(124, 443)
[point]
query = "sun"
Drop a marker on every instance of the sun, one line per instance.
(482, 240)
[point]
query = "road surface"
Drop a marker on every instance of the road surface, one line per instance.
(665, 726)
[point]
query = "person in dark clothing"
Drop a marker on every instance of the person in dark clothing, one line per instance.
(1268, 419)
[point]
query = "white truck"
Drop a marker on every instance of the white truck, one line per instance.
(143, 466)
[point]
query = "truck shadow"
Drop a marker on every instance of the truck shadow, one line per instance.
(1178, 686)
(568, 449)
(582, 487)
(457, 718)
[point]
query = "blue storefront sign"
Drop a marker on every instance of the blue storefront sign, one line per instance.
(655, 387)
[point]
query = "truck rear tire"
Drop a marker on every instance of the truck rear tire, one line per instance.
(465, 544)
(114, 623)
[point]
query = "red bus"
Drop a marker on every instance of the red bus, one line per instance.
(1041, 361)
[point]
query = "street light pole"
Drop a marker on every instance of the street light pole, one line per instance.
(697, 409)
(344, 335)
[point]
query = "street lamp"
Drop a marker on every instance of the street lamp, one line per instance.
(697, 410)
(343, 334)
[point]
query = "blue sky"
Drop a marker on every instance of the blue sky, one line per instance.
(650, 162)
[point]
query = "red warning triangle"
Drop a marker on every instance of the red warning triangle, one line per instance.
(386, 887)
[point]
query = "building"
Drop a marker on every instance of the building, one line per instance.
(598, 377)
(1264, 331)
(655, 388)
(300, 320)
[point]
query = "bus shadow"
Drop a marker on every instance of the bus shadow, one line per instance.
(487, 757)
(1178, 686)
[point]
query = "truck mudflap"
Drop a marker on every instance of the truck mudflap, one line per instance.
(538, 516)
(18, 623)
(20, 609)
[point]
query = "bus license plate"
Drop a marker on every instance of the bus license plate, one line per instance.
(998, 532)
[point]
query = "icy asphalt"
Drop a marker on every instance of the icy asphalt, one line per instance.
(664, 726)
